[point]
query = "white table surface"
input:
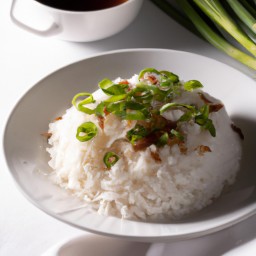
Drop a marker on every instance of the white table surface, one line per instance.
(24, 60)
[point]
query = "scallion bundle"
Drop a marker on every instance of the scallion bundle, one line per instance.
(208, 19)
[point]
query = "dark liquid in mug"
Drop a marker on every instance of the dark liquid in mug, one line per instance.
(81, 5)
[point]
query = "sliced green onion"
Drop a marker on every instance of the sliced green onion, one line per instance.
(110, 158)
(117, 108)
(80, 105)
(136, 111)
(110, 88)
(116, 98)
(203, 120)
(105, 84)
(163, 140)
(144, 103)
(150, 87)
(192, 85)
(167, 80)
(134, 105)
(128, 110)
(175, 105)
(165, 85)
(134, 115)
(207, 125)
(148, 70)
(205, 110)
(99, 110)
(186, 116)
(142, 95)
(173, 77)
(158, 94)
(138, 132)
(177, 134)
(86, 131)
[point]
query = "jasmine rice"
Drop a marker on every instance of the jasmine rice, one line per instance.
(149, 148)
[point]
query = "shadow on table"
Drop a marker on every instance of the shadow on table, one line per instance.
(234, 241)
(94, 245)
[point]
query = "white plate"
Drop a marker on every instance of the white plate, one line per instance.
(25, 149)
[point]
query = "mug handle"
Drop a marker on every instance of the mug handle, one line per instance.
(53, 29)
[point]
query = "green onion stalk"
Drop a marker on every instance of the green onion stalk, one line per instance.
(215, 11)
(219, 16)
(243, 14)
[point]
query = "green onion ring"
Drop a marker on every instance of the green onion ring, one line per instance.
(87, 100)
(110, 158)
(88, 130)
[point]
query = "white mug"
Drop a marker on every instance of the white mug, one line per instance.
(76, 26)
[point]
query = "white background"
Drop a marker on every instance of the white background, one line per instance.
(24, 60)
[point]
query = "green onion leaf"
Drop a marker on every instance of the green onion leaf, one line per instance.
(192, 85)
(110, 158)
(99, 110)
(138, 132)
(80, 105)
(203, 120)
(86, 131)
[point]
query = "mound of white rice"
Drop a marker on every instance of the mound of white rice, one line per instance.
(152, 184)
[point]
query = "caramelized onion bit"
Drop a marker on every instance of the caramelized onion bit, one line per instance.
(124, 82)
(155, 156)
(183, 148)
(215, 107)
(152, 79)
(47, 135)
(101, 121)
(238, 131)
(145, 142)
(201, 149)
(212, 107)
(58, 118)
(204, 99)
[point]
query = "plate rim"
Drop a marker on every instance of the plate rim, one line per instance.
(143, 237)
